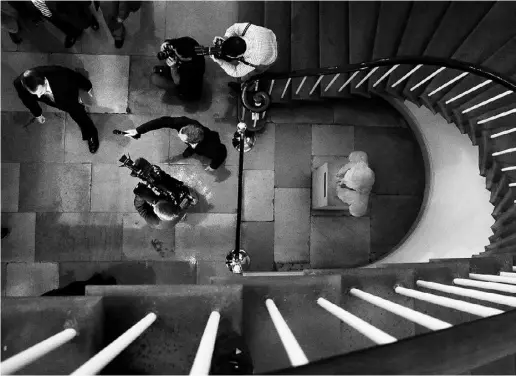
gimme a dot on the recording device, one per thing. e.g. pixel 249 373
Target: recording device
pixel 169 52
pixel 119 132
pixel 215 50
pixel 164 185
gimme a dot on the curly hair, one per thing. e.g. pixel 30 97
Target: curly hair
pixel 166 210
pixel 194 133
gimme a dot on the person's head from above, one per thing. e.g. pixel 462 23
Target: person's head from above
pixel 35 83
pixel 234 47
pixel 191 133
pixel 358 156
pixel 166 211
pixel 184 48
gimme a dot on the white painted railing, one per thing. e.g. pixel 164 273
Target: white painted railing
pixel 428 78
pixel 373 333
pixel 483 103
pixel 492 278
pixel 294 352
pixel 485 285
pixel 26 357
pixel 475 309
pixel 407 75
pixel 468 91
pixel 508 274
pixel 348 81
pixel 202 361
pixel 497 116
pixel 460 76
pixel 419 318
pixel 384 76
pixel 106 355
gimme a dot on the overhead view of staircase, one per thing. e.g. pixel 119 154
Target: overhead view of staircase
pixel 453 315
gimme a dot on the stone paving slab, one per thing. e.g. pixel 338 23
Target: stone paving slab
pixel 45 37
pixel 109 75
pixel 261 157
pixel 374 112
pixel 112 188
pixel 7 44
pixel 19 245
pixel 208 269
pixel 205 236
pixel 332 140
pixel 55 187
pixel 291 225
pixel 152 146
pixel 339 242
pixel 31 279
pixel 258 242
pixel 142 242
pixel 258 195
pixel 145 31
pixel 10 186
pixel 293 150
pixel 34 143
pixel 4 274
pixel 78 237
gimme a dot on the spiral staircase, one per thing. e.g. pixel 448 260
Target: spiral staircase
pixel 455 58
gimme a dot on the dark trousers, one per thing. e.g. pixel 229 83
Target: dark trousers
pixel 64 26
pixel 80 116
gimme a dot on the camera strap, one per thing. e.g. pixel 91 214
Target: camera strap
pixel 241 59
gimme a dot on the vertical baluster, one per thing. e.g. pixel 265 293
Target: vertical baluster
pixel 202 361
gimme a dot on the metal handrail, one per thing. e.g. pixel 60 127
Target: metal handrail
pixel 425 60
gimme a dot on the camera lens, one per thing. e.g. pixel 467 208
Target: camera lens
pixel 161 55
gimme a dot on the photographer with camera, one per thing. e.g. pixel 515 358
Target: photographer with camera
pixel 252 48
pixel 184 69
pixel 200 140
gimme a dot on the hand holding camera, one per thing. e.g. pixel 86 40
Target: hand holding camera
pixel 218 41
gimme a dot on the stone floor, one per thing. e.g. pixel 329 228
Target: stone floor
pixel 71 212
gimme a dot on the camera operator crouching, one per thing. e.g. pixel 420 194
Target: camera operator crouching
pixel 184 70
pixel 155 208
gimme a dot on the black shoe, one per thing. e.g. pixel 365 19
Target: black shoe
pixel 159 69
pixel 70 41
pixel 5 232
pixel 15 38
pixel 188 153
pixel 93 144
pixel 119 43
pixel 235 86
pixel 94 23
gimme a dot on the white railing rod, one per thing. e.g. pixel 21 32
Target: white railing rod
pixel 301 84
pixel 348 81
pixel 366 77
pixel 202 361
pixel 316 84
pixel 407 75
pixel 448 83
pixel 497 116
pixel 373 333
pixel 514 267
pixel 510 185
pixel 427 78
pixel 270 92
pixel 509 274
pixel 506 151
pixel 485 285
pixel 495 135
pixel 108 353
pixel 286 87
pixel 407 313
pixel 480 295
pixel 486 101
pixel 386 74
pixel 468 91
pixel 510 168
pixel 332 81
pixel 26 357
pixel 294 352
pixel 460 305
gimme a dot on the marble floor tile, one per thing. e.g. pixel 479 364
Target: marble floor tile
pixel 258 195
pixel 396 159
pixel 14 64
pixel 217 190
pixel 332 139
pixel 145 31
pixel 292 156
pixel 258 242
pixel 7 44
pixel 20 244
pixel 208 269
pixel 142 242
pixel 10 186
pixel 109 75
pixel 31 279
pixel 261 157
pixel 205 236
pixel 152 146
pixel 46 187
pixel 34 143
pixel 374 112
pixel 45 37
pixel 131 272
pixel 78 237
pixel 392 217
pixel 112 188
pixel 291 225
pixel 339 242
pixel 3 277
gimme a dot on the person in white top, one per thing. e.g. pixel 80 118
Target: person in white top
pixel 253 48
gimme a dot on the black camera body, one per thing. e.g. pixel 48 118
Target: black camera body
pixel 169 52
pixel 166 187
pixel 215 50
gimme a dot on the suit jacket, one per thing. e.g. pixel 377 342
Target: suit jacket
pixel 120 9
pixel 64 83
pixel 210 146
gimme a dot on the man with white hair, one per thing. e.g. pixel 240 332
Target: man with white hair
pixel 355 183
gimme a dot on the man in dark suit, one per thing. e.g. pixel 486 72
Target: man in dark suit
pixel 200 140
pixel 115 13
pixel 57 87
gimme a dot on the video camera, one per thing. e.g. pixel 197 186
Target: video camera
pixel 166 187
pixel 169 52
